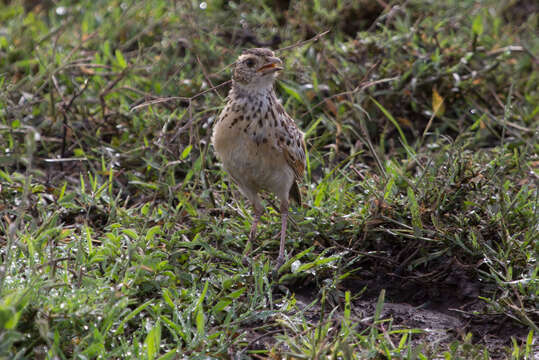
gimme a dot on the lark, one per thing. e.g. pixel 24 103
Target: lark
pixel 257 142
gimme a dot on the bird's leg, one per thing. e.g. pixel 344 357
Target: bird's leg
pixel 284 219
pixel 252 236
pixel 258 210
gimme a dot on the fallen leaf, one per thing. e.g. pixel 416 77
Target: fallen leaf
pixel 330 105
pixel 438 107
pixel 404 121
pixel 86 70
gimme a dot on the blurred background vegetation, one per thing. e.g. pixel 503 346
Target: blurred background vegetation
pixel 121 237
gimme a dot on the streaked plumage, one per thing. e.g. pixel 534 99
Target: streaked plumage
pixel 258 143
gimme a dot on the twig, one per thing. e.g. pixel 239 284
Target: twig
pixel 65 107
pixel 109 88
pixel 53 261
pixel 387 14
pixel 171 77
pixel 139 92
pixel 172 98
pixel 55 82
pixel 254 341
pixel 77 94
pixel 429 124
pixel 207 77
pixel 158 100
pixel 301 43
pixel 360 87
pixel 213 88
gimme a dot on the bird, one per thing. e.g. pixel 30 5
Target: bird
pixel 258 144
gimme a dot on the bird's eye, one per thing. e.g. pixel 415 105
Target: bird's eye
pixel 250 63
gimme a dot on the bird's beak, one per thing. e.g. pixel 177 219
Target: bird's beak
pixel 273 64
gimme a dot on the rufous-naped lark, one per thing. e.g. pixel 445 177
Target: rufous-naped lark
pixel 257 142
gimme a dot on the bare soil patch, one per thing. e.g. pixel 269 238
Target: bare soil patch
pixel 445 311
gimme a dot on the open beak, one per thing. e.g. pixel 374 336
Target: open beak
pixel 274 64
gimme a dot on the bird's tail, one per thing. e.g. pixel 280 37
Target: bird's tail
pixel 295 194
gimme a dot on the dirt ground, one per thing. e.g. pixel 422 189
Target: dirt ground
pixel 445 310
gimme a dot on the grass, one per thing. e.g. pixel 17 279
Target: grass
pixel 122 238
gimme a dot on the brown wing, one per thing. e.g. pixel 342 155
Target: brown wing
pixel 290 140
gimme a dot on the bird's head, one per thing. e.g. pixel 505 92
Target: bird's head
pixel 256 69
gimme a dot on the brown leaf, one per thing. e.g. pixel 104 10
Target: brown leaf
pixel 330 105
pixel 404 121
pixel 86 70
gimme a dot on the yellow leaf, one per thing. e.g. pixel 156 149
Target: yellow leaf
pixel 438 107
